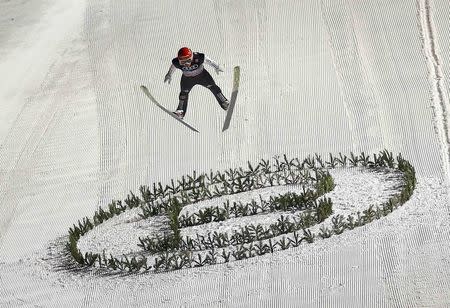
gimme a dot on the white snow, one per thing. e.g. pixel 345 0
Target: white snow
pixel 322 77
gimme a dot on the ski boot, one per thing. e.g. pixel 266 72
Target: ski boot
pixel 224 105
pixel 179 114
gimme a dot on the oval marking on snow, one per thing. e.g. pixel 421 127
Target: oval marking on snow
pixel 261 228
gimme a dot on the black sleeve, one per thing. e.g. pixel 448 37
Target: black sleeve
pixel 176 63
pixel 199 58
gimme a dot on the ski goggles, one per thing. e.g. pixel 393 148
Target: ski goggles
pixel 185 61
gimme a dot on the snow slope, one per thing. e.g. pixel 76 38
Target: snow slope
pixel 316 77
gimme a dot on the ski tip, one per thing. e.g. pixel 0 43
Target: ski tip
pixel 146 91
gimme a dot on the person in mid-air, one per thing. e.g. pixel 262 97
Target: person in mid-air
pixel 191 63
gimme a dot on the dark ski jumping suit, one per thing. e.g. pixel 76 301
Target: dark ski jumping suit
pixel 196 74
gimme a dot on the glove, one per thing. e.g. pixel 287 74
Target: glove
pixel 219 70
pixel 168 78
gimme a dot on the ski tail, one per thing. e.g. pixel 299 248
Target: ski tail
pixel 147 93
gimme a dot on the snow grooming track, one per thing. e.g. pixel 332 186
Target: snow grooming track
pixel 439 95
pixel 57 168
pixel 55 100
pixel 356 90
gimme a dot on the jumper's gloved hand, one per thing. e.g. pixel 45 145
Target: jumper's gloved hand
pixel 168 78
pixel 214 64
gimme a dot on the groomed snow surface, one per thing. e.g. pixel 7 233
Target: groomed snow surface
pixel 328 76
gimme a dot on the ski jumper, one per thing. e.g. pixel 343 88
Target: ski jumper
pixel 196 74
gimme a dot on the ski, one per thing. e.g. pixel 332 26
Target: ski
pixel 146 91
pixel 236 77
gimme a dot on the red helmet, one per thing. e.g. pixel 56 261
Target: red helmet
pixel 185 55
